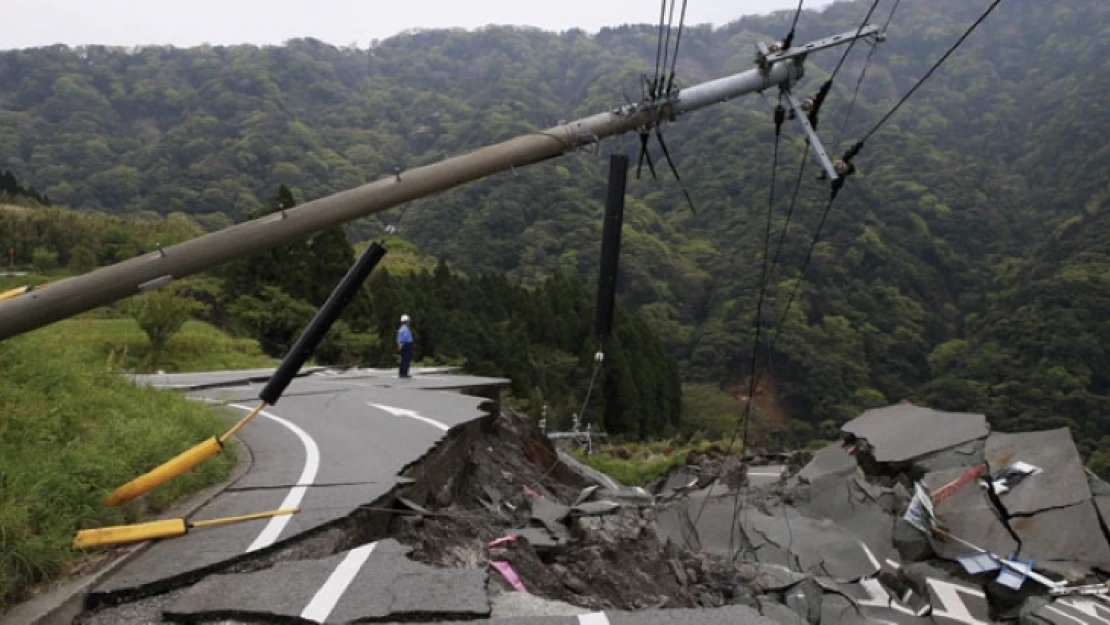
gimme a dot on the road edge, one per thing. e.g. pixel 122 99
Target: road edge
pixel 62 605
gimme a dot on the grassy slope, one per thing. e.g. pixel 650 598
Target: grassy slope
pixel 120 344
pixel 70 432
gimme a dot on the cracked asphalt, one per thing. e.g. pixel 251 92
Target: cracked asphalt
pixel 823 545
pixel 329 446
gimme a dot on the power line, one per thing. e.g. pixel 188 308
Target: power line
pixel 789 212
pixel 929 73
pixel 863 73
pixel 780 117
pixel 789 41
pixel 852 43
pixel 677 43
pixel 855 150
pixel 797 14
pixel 859 145
pixel 666 51
pixel 659 45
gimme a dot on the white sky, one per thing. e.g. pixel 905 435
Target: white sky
pixel 32 23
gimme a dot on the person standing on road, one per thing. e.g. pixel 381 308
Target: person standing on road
pixel 404 343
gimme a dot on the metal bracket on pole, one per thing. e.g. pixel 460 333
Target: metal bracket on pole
pixel 821 44
pixel 814 140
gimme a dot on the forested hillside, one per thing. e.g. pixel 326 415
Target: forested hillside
pixel 973 199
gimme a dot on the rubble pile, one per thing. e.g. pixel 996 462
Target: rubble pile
pixel 919 516
pixel 549 527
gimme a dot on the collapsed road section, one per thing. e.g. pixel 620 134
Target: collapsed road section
pixel 492 523
pixel 918 516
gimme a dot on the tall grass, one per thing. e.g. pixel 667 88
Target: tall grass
pixel 121 345
pixel 70 432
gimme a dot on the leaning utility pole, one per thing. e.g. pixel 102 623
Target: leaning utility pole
pixel 106 285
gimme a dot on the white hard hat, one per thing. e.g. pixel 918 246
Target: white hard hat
pixel 404 318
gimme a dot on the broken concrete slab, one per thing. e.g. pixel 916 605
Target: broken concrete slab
pixel 903 432
pixel 910 543
pixel 590 474
pixel 853 505
pixel 1067 611
pixel 595 508
pixel 779 613
pixel 769 577
pixel 523 604
pixel 818 546
pixel 387 584
pixel 1068 541
pixel 540 539
pixel 867 601
pixel 968 514
pixel 735 615
pixel 805 600
pixel 831 461
pixel 550 515
pixel 679 481
pixel 1062 481
pixel 634 496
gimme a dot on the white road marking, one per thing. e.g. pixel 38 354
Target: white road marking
pixel 273 529
pixel 871 556
pixel 1065 614
pixel 593 618
pixel 412 414
pixel 323 602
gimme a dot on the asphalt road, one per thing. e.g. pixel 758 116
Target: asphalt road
pixel 331 444
pixel 335 442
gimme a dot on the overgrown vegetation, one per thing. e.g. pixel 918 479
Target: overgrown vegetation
pixel 120 345
pixel 70 432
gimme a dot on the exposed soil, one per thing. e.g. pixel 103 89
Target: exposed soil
pixel 610 562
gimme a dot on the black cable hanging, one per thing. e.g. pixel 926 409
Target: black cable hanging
pixel 863 73
pixel 929 73
pixel 780 118
pixel 852 152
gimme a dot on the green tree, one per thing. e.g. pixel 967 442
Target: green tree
pixel 161 314
pixel 82 259
pixel 44 259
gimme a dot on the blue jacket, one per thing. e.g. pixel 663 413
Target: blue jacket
pixel 404 335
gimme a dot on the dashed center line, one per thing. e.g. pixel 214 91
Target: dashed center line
pixel 593 618
pixel 412 414
pixel 323 602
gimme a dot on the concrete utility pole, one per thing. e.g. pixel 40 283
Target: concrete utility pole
pixel 106 285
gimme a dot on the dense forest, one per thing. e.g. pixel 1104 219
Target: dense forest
pixel 960 266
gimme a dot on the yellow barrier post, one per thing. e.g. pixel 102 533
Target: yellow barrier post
pixel 177 465
pixel 153 530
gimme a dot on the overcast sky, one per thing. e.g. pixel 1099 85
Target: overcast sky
pixel 30 23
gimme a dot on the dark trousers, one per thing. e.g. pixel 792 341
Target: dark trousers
pixel 406 359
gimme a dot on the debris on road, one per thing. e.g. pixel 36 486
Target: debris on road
pixel 916 517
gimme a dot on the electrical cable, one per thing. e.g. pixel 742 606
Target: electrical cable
pixel 677 43
pixel 789 212
pixel 666 52
pixel 797 14
pixel 789 40
pixel 658 47
pixel 852 43
pixel 780 117
pixel 863 74
pixel 929 73
pixel 856 148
